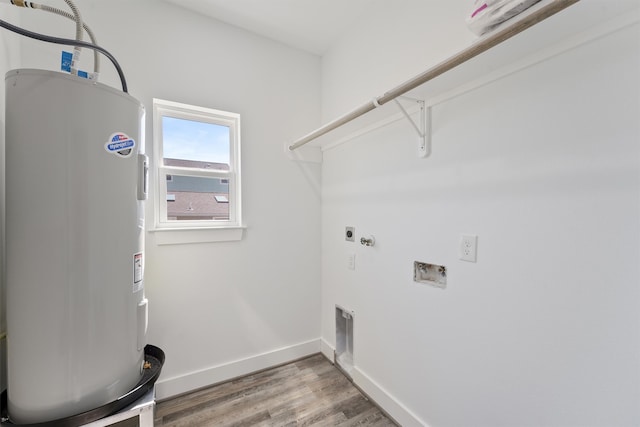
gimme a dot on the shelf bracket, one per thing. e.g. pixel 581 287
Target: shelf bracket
pixel 423 128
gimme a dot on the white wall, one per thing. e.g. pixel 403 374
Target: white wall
pixel 219 310
pixel 393 42
pixel 544 166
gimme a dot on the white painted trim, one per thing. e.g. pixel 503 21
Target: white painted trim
pixel 179 236
pixel 169 387
pixel 327 350
pixel 396 410
pixel 163 108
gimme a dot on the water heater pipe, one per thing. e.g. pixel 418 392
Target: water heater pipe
pixel 92 37
pixel 75 59
pixel 76 13
pixel 69 42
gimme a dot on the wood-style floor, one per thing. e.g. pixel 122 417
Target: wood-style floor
pixel 309 392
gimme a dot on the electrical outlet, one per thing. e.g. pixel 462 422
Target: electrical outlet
pixel 469 248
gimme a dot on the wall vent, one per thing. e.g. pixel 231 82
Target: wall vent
pixel 344 340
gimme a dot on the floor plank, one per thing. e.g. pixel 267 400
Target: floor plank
pixel 308 392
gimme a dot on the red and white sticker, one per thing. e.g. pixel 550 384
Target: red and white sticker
pixel 138 272
pixel 120 144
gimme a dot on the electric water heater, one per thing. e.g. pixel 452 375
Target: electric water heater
pixel 75 186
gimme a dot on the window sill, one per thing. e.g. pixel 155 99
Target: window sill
pixel 182 236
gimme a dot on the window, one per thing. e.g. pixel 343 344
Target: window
pixel 197 152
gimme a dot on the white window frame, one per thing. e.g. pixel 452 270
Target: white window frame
pixel 201 230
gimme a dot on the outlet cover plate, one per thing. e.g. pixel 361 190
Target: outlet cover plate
pixel 350 234
pixel 469 247
pixel 351 261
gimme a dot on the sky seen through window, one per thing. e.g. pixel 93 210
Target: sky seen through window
pixel 194 140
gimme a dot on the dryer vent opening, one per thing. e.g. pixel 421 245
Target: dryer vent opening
pixel 344 339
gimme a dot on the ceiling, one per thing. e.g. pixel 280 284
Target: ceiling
pixel 310 25
pixel 316 25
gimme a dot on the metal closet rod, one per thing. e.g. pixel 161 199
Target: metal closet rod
pixel 484 44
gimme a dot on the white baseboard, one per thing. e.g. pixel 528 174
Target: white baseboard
pixel 169 387
pixel 396 410
pixel 327 349
pixel 389 404
pixel 192 381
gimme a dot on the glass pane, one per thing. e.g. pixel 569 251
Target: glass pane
pixel 194 144
pixel 191 198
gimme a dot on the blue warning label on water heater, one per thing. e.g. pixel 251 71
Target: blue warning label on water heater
pixel 65 64
pixel 65 61
pixel 120 144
